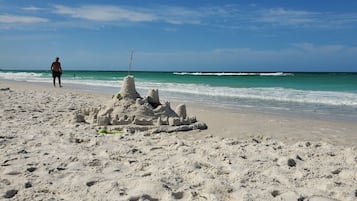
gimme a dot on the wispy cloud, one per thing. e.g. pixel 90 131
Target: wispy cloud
pixel 179 15
pixel 176 15
pixel 32 8
pixel 111 13
pixel 304 19
pixel 21 19
pixel 231 16
pixel 309 47
pixel 286 17
pixel 105 13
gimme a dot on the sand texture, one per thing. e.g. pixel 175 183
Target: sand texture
pixel 44 156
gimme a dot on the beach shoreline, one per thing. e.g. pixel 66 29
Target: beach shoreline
pixel 241 156
pixel 323 96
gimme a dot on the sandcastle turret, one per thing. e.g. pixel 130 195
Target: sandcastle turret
pixel 181 110
pixel 128 89
pixel 153 97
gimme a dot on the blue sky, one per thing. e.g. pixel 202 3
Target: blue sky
pixel 176 35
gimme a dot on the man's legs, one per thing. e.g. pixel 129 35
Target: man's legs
pixel 59 81
pixel 54 81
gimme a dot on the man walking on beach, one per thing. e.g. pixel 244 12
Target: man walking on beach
pixel 56 71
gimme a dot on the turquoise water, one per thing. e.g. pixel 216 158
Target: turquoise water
pixel 320 95
pixel 304 81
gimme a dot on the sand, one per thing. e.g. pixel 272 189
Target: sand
pixel 241 156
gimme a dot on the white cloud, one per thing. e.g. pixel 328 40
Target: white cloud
pixel 179 15
pixel 110 13
pixel 309 47
pixel 21 19
pixel 105 13
pixel 32 8
pixel 286 17
pixel 232 16
pixel 304 19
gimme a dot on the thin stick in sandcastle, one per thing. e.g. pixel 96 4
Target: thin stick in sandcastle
pixel 129 111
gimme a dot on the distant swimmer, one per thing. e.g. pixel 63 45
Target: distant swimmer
pixel 56 71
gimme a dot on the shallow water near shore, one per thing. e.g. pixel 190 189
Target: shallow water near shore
pixel 320 95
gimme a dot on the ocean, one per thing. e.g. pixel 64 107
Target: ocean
pixel 317 95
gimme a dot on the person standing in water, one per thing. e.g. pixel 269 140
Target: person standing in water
pixel 56 71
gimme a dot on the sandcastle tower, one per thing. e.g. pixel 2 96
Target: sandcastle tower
pixel 128 89
pixel 153 97
pixel 181 110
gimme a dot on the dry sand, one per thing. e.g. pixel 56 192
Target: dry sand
pixel 242 156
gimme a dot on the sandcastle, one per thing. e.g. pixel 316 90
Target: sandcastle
pixel 128 110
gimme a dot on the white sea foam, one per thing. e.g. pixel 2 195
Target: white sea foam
pixel 233 74
pixel 46 78
pixel 100 83
pixel 272 94
pixel 206 91
pixel 20 76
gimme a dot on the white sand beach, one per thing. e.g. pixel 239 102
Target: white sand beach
pixel 241 156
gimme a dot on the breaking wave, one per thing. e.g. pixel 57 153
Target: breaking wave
pixel 233 74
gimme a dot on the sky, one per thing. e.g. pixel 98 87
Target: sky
pixel 180 35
